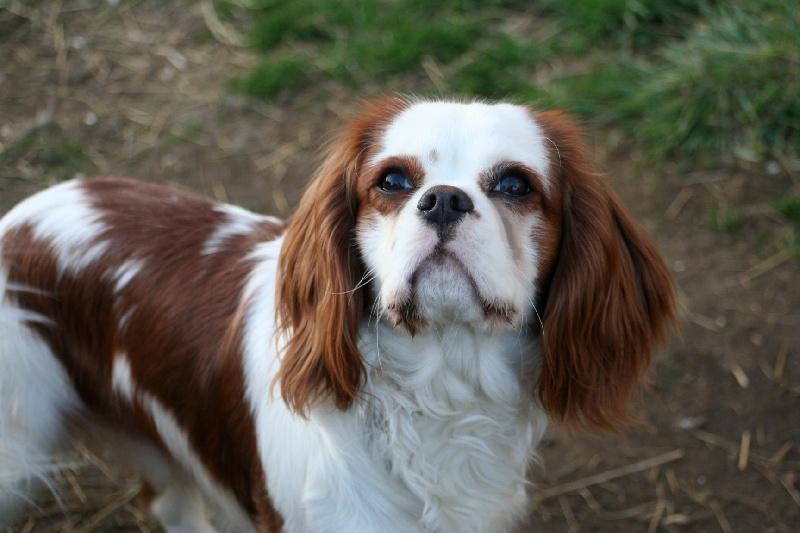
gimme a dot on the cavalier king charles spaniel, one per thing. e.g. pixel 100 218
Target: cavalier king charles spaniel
pixel 456 275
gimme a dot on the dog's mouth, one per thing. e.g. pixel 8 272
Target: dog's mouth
pixel 444 260
pixel 442 289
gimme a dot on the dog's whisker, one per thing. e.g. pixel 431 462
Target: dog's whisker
pixel 368 276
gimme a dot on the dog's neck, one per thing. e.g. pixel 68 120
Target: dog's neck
pixel 450 414
pixel 452 367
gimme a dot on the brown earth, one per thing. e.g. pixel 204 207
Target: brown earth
pixel 140 89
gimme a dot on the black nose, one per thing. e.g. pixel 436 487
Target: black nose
pixel 444 205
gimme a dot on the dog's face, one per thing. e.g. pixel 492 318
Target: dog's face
pixel 492 217
pixel 453 223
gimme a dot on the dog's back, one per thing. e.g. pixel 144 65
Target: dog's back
pixel 79 301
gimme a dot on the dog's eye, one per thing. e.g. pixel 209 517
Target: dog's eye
pixel 394 181
pixel 512 185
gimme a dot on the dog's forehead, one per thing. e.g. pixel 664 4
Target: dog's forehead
pixel 466 136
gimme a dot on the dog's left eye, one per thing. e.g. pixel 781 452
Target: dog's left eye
pixel 394 181
pixel 512 185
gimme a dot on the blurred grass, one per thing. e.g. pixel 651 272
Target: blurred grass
pixel 706 83
pixel 360 43
pixel 50 146
pixel 629 24
pixel 730 88
pixel 789 206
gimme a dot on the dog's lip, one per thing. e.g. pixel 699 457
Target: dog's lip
pixel 494 310
pixel 405 312
pixel 446 260
pixel 439 258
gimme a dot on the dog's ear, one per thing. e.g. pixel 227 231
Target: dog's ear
pixel 319 302
pixel 610 299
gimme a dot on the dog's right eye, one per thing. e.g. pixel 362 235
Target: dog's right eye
pixel 394 181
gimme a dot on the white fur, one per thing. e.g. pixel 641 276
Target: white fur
pixel 468 138
pixel 494 246
pixel 238 221
pixel 34 388
pixel 127 273
pixel 455 423
pixel 34 394
pixel 62 216
pixel 441 438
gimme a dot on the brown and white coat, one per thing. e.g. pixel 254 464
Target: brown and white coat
pixel 387 360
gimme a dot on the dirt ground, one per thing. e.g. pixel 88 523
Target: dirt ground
pixel 140 89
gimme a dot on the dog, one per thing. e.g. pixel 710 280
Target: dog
pixel 456 275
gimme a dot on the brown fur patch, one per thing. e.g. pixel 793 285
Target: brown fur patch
pixel 609 299
pixel 320 268
pixel 183 322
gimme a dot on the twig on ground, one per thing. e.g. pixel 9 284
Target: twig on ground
pixel 741 376
pixel 677 204
pixel 568 514
pixel 96 461
pixel 221 31
pixel 786 481
pixel 139 518
pixel 719 513
pixel 280 201
pixel 744 451
pixel 657 516
pixel 683 519
pixel 776 459
pixel 219 192
pixel 765 266
pixel 703 321
pixel 672 481
pixel 704 178
pixel 780 363
pixel 720 442
pixel 76 488
pixel 627 470
pixel 611 516
pixel 109 509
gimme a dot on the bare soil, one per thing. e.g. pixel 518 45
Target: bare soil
pixel 140 89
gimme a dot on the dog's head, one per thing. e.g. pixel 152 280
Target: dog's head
pixel 486 215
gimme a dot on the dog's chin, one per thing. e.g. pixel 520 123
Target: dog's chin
pixel 440 293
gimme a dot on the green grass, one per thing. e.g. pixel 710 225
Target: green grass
pixel 731 88
pixel 725 221
pixel 636 24
pixel 700 82
pixel 376 41
pixel 500 70
pixel 273 76
pixel 728 90
pixel 789 206
pixel 186 132
pixel 50 147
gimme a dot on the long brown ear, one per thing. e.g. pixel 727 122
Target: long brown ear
pixel 610 299
pixel 319 302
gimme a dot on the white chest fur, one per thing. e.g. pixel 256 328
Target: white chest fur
pixel 453 422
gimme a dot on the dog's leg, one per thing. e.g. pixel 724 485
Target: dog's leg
pixel 35 394
pixel 178 507
pixel 167 493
